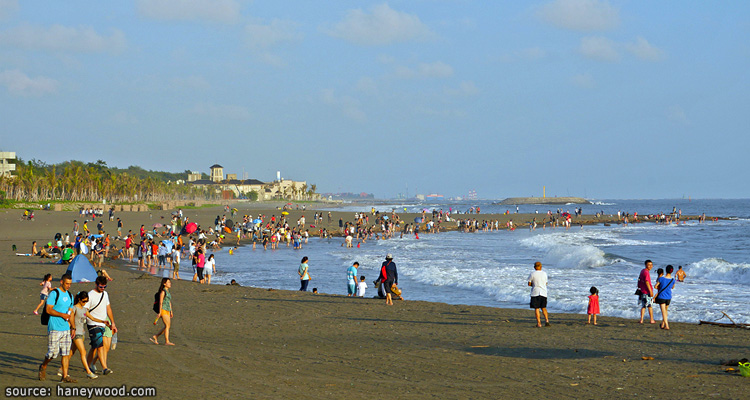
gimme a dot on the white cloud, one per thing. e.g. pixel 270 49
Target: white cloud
pixel 444 113
pixel 677 114
pixel 190 82
pixel 124 118
pixel 21 84
pixel 62 38
pixel 367 85
pixel 348 105
pixel 260 36
pixel 599 48
pixel 221 11
pixel 381 26
pixel 644 50
pixel 584 80
pixel 437 69
pixel 580 15
pixel 466 88
pixel 7 8
pixel 221 111
pixel 533 53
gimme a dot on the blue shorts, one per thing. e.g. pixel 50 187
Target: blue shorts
pixel 351 288
pixel 96 336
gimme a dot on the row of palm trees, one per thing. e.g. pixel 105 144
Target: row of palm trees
pixel 76 181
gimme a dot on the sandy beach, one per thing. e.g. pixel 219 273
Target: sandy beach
pixel 242 342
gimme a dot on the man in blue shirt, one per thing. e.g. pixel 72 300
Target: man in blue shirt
pixel 59 306
pixel 351 279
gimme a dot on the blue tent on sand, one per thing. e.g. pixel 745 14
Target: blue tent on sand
pixel 81 269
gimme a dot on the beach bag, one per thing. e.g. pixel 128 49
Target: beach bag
pixel 156 302
pixel 744 369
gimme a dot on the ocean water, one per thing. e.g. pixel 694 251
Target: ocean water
pixel 491 268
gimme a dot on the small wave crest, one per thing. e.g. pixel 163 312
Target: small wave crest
pixel 718 269
pixel 567 252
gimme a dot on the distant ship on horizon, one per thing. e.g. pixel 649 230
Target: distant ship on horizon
pixel 434 196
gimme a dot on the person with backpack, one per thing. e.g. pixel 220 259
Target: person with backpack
pixel 163 306
pixel 56 315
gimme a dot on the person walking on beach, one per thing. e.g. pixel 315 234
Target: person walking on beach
pixel 99 307
pixel 209 268
pixel 46 285
pixel 58 328
pixel 79 316
pixel 538 282
pixel 388 277
pixel 646 291
pixel 593 308
pixel 165 311
pixel 664 285
pixel 351 279
pixel 304 275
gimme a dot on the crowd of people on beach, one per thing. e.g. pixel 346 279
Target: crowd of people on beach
pixel 163 249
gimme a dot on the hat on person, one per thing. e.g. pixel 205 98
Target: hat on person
pixel 389 256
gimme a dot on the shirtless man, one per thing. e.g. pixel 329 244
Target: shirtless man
pixel 680 274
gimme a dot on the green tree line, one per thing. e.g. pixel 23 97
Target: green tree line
pixel 78 181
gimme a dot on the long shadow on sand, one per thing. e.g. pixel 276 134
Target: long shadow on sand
pixel 19 365
pixel 538 353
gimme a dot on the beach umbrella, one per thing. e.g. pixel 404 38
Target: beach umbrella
pixel 175 213
pixel 168 244
pixel 229 224
pixel 158 225
pixel 284 213
pixel 385 217
pixel 227 229
pixel 418 220
pixel 96 236
pixel 191 227
pixel 257 221
pixel 150 236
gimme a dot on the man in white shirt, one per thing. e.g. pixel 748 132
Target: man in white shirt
pixel 538 282
pixel 99 307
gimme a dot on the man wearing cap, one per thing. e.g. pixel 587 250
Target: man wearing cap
pixel 538 282
pixel 388 277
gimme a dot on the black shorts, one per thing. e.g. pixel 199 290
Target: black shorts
pixel 200 273
pixel 387 285
pixel 662 301
pixel 538 302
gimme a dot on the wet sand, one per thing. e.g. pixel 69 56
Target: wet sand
pixel 240 342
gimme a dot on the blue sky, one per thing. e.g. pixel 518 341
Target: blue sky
pixel 618 99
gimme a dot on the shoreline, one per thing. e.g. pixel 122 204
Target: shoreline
pixel 253 342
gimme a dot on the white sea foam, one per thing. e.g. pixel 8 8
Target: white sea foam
pixel 717 269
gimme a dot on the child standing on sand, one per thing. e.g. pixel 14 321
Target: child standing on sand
pixel 46 285
pixel 361 286
pixel 593 304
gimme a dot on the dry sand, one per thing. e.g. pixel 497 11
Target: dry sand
pixel 239 342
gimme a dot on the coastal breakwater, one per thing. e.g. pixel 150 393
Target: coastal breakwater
pixel 543 200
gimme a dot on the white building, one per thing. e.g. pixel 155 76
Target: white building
pixel 6 167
